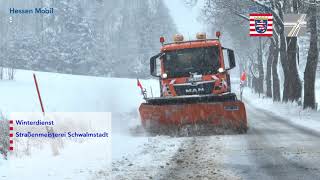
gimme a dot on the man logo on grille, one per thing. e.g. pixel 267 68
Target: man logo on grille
pixel 194 90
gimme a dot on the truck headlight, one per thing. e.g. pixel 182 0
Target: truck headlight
pixel 164 75
pixel 220 70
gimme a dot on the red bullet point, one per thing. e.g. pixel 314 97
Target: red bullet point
pixel 11 128
pixel 11 141
pixel 11 121
pixel 11 135
pixel 11 148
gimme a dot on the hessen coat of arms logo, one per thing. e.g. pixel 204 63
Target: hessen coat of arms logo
pixel 261 24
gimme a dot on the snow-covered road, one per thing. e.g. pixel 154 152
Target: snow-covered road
pixel 273 148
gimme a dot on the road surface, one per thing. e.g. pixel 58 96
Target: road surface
pixel 273 148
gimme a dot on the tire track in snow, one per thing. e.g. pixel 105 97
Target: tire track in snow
pixel 197 158
pixel 269 155
pixel 145 164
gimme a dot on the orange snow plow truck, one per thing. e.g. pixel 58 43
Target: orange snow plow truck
pixel 195 91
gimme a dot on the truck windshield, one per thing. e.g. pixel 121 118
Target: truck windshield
pixel 183 62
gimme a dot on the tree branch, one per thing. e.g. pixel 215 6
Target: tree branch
pixel 274 13
pixel 240 15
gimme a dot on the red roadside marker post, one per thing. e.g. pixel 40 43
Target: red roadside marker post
pixel 243 78
pixel 38 91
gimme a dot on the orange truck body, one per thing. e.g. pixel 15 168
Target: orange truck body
pixel 217 107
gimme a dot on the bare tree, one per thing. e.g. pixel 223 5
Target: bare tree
pixel 1 72
pixel 295 6
pixel 275 76
pixel 4 138
pixel 312 60
pixel 260 67
pixel 10 73
pixel 268 72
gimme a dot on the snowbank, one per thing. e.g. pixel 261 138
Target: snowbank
pixel 44 166
pixel 73 93
pixel 289 111
pixel 68 93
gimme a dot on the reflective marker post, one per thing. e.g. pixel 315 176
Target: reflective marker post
pixel 38 91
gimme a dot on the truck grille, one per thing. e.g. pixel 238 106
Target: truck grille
pixel 196 89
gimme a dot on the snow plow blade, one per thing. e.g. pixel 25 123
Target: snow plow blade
pixel 227 115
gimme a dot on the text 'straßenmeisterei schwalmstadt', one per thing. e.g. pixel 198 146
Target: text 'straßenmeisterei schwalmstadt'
pixel 51 134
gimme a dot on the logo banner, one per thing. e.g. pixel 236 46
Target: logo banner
pixel 261 24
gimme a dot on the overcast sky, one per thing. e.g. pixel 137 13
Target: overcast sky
pixel 185 17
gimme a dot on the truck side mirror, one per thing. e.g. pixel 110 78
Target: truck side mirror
pixel 153 65
pixel 232 61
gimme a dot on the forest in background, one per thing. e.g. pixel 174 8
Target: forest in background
pixel 90 37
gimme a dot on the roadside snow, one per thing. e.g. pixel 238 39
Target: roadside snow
pixel 289 111
pixel 153 156
pixel 68 93
pixel 73 93
pixel 74 162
